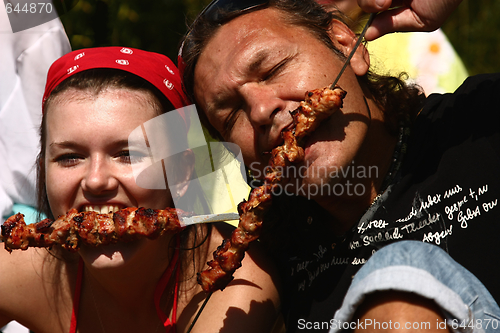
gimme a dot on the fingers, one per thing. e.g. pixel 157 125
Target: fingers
pixel 396 20
pixel 374 6
pixel 407 15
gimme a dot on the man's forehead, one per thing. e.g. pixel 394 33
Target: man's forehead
pixel 243 43
pixel 254 36
pixel 255 22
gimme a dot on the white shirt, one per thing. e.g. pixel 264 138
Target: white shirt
pixel 25 58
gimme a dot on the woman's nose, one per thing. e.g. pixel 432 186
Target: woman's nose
pixel 99 176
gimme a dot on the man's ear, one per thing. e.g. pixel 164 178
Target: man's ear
pixel 345 39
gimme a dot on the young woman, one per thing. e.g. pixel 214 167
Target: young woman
pixel 94 99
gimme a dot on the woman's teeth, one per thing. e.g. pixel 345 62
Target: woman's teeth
pixel 101 209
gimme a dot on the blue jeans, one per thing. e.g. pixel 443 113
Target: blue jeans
pixel 428 271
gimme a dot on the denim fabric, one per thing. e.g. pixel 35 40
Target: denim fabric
pixel 426 270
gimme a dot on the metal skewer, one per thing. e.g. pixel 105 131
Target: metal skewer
pixel 199 312
pixel 348 60
pixel 209 218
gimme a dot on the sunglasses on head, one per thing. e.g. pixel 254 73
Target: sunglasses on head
pixel 213 11
pixel 216 11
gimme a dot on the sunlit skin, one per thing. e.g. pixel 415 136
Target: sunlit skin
pixel 254 71
pixel 407 310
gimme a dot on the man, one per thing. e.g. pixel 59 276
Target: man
pixel 365 181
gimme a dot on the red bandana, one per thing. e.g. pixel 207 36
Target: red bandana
pixel 155 68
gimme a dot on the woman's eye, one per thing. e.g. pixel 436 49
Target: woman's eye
pixel 131 156
pixel 124 156
pixel 68 160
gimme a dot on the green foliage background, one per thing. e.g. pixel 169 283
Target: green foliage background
pixel 474 30
pixel 158 25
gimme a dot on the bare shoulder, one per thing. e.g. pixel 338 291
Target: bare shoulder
pixel 250 303
pixel 255 265
pixel 18 271
pixel 27 281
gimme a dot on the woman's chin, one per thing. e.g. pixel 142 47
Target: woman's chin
pixel 112 255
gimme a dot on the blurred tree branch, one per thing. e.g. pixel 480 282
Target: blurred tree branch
pixel 158 25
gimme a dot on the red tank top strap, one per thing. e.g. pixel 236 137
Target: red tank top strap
pixel 76 297
pixel 160 288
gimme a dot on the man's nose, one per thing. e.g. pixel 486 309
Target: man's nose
pixel 263 104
